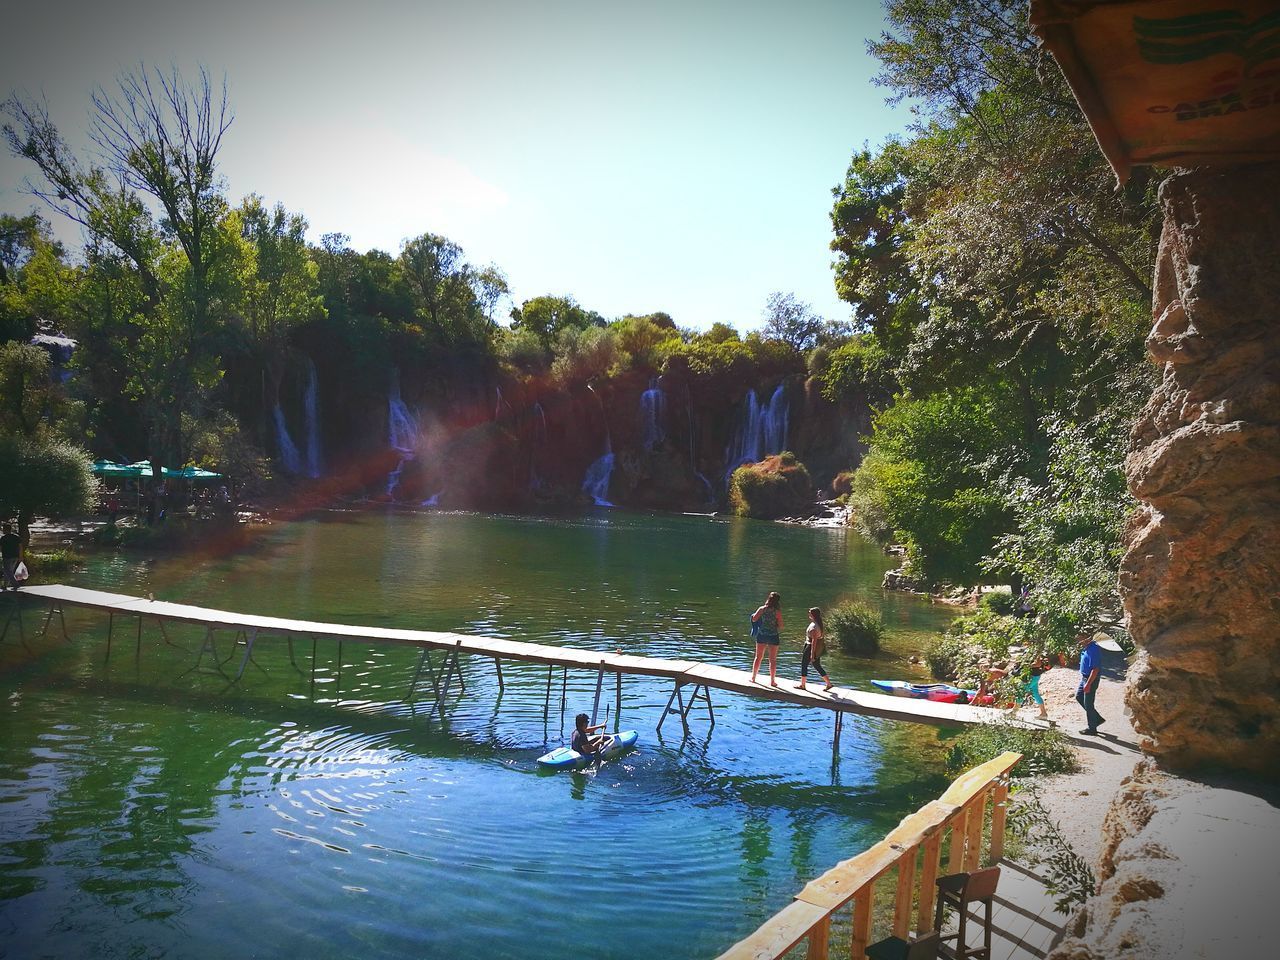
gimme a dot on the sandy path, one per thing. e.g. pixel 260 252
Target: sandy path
pixel 1079 801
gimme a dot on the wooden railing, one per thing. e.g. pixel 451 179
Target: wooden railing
pixel 915 847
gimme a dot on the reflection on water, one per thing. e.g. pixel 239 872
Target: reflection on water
pixel 147 811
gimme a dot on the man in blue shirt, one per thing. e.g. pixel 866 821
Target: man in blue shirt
pixel 1090 671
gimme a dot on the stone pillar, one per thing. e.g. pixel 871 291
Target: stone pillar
pixel 1201 573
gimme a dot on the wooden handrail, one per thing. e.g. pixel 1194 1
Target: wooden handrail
pixel 961 810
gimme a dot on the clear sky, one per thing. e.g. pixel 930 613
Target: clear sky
pixel 637 156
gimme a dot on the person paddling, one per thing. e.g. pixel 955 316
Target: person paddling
pixel 582 740
pixel 767 627
pixel 814 644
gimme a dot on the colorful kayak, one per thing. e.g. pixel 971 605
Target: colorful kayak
pixel 937 692
pixel 564 758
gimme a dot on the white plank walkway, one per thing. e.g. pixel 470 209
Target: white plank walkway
pixel 683 672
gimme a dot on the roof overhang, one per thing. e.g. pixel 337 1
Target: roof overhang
pixel 1171 82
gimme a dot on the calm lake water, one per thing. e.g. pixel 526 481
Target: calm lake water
pixel 146 811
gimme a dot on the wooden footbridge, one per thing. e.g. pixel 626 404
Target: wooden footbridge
pixel 688 676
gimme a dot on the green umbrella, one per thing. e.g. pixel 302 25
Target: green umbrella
pixel 116 471
pixel 186 473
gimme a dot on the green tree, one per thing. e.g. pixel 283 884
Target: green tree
pixel 791 320
pixel 928 479
pixel 546 316
pixel 41 476
pixel 280 289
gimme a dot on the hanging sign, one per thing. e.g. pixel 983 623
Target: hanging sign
pixel 1171 82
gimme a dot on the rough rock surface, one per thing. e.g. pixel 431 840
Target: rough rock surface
pixel 1201 573
pixel 1187 871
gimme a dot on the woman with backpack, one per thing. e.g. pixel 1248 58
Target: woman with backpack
pixel 766 627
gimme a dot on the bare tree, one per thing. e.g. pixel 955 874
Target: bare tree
pixel 151 182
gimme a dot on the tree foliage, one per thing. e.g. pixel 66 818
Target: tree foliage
pixel 986 254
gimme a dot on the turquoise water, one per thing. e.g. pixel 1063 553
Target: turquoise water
pixel 148 811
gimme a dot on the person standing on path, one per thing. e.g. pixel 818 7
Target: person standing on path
pixel 766 625
pixel 10 555
pixel 1090 671
pixel 814 643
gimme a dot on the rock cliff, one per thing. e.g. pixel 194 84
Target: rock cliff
pixel 1201 573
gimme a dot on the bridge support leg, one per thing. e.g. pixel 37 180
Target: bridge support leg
pixel 413 685
pixel 209 647
pixel 502 684
pixel 564 693
pixel 313 668
pixel 595 706
pixel 452 665
pixel 546 702
pixel 711 711
pixel 617 704
pixel 165 633
pixel 835 740
pixel 248 653
pixel 15 612
pixel 111 623
pixel 54 608
pixel 292 661
pixel 667 709
pixel 137 648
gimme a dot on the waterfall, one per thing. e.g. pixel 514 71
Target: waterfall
pixel 653 406
pixel 539 441
pixel 706 485
pixel 402 432
pixel 774 422
pixel 763 431
pixel 310 403
pixel 595 483
pixel 290 458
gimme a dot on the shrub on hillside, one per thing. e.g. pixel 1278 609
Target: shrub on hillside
pixel 856 627
pixel 842 484
pixel 778 486
pixel 971 640
pixel 1044 752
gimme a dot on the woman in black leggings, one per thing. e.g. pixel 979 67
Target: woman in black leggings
pixel 814 643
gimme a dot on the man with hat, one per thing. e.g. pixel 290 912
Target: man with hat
pixel 1090 671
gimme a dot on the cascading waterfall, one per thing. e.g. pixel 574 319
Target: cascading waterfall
pixel 763 431
pixel 402 432
pixel 290 458
pixel 539 442
pixel 653 408
pixel 311 409
pixel 595 483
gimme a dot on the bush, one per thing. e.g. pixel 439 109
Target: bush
pixel 45 562
pixel 968 641
pixel 778 486
pixel 857 627
pixel 997 602
pixel 842 484
pixel 1044 752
